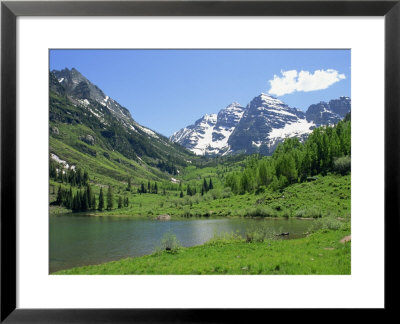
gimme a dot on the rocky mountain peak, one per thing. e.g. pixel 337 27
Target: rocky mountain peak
pixel 82 91
pixel 269 100
pixel 210 134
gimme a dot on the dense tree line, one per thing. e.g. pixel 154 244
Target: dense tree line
pixel 85 199
pixel 192 190
pixel 82 200
pixel 151 188
pixel 167 166
pixel 74 177
pixel 327 149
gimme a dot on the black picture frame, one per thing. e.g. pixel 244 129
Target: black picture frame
pixel 10 10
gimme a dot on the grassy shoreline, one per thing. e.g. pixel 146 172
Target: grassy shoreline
pixel 318 253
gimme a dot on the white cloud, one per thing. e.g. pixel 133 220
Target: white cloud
pixel 292 81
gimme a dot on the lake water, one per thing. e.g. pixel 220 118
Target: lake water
pixel 83 240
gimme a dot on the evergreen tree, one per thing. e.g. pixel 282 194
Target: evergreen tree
pixel 205 186
pixel 79 177
pixel 75 203
pixel 101 200
pixel 188 191
pixel 119 202
pixel 85 201
pixel 59 196
pixel 110 203
pixel 210 186
pixel 155 188
pixel 60 174
pixel 181 194
pixel 80 200
pixel 262 174
pixel 93 201
pixel 72 177
pixel 53 170
pixel 85 178
pixel 89 195
pixel 69 199
pixel 245 182
pixel 126 202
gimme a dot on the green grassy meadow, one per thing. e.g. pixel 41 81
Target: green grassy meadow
pixel 329 195
pixel 319 253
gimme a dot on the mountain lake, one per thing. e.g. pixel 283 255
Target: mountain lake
pixel 78 240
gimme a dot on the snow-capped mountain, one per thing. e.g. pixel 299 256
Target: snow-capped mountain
pixel 266 122
pixel 210 134
pixel 260 127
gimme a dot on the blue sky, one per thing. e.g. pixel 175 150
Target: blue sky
pixel 167 90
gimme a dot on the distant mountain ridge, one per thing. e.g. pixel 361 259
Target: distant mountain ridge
pixel 259 127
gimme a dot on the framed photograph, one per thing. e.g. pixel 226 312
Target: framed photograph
pixel 163 158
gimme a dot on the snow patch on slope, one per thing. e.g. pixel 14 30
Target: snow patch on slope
pixel 301 127
pixel 64 163
pixel 147 131
pixel 204 140
pixel 271 101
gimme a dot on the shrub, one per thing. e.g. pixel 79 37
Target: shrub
pixel 170 243
pixel 215 194
pixel 186 212
pixel 310 212
pixel 258 211
pixel 342 165
pixel 259 232
pixel 260 190
pixel 225 237
pixel 226 193
pixel 325 223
